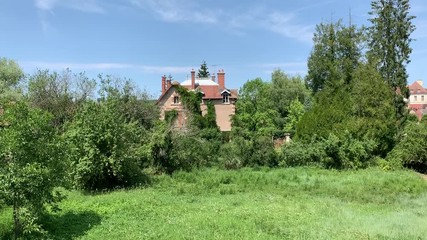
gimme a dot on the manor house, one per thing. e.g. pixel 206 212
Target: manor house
pixel 213 89
pixel 417 99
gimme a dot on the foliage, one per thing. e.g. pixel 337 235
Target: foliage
pixel 411 151
pixel 248 152
pixel 390 47
pixel 107 151
pixel 296 111
pixel 336 53
pixel 10 77
pixel 255 111
pixel 369 121
pixel 297 153
pixel 337 152
pixel 135 105
pixel 31 165
pixel 52 92
pixel 10 73
pixel 284 89
pixel 203 71
pixel 331 109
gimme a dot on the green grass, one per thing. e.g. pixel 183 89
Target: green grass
pixel 295 203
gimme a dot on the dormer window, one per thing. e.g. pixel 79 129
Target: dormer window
pixel 176 100
pixel 225 98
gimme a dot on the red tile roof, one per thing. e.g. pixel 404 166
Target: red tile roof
pixel 416 87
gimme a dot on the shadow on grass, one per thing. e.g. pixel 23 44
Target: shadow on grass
pixel 70 225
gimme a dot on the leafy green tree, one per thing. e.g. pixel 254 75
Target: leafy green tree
pixel 369 121
pixel 10 73
pixel 30 165
pixel 285 89
pixel 10 76
pixel 296 111
pixel 330 111
pixel 107 151
pixel 255 112
pixel 411 151
pixel 52 92
pixel 136 105
pixel 390 38
pixel 336 53
pixel 203 71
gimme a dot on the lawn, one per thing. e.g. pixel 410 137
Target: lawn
pixel 294 203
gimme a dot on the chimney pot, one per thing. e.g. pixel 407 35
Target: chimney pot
pixel 221 79
pixel 164 87
pixel 193 79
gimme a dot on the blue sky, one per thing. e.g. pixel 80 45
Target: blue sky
pixel 144 39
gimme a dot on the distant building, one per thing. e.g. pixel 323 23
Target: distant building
pixel 417 99
pixel 224 99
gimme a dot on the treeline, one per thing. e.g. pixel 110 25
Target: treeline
pixel 68 130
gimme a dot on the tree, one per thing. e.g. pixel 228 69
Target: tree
pixel 369 121
pixel 106 150
pixel 285 89
pixel 390 47
pixel 296 111
pixel 203 71
pixel 255 112
pixel 336 53
pixel 30 165
pixel 52 92
pixel 136 105
pixel 10 75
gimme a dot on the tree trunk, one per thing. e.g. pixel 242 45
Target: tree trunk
pixel 17 228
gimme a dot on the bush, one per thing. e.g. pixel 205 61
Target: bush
pixel 106 151
pixel 332 152
pixel 411 151
pixel 253 152
pixel 297 153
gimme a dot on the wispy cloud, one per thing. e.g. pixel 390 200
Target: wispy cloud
pixel 177 11
pixel 92 6
pixel 46 9
pixel 105 66
pixel 45 4
pixel 285 24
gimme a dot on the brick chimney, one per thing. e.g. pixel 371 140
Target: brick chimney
pixel 221 78
pixel 193 79
pixel 164 87
pixel 168 82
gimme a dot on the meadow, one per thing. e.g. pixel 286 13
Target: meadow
pixel 293 203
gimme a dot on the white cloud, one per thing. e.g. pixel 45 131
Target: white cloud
pixel 45 4
pixel 177 11
pixel 104 66
pixel 285 24
pixel 93 6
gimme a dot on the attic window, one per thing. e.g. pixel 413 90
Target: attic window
pixel 176 100
pixel 225 98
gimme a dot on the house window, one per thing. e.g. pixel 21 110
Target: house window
pixel 225 98
pixel 422 98
pixel 175 99
pixel 415 98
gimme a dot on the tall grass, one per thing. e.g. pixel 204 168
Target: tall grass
pixel 295 203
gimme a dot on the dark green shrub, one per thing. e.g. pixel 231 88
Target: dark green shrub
pixel 106 151
pixel 298 153
pixel 411 151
